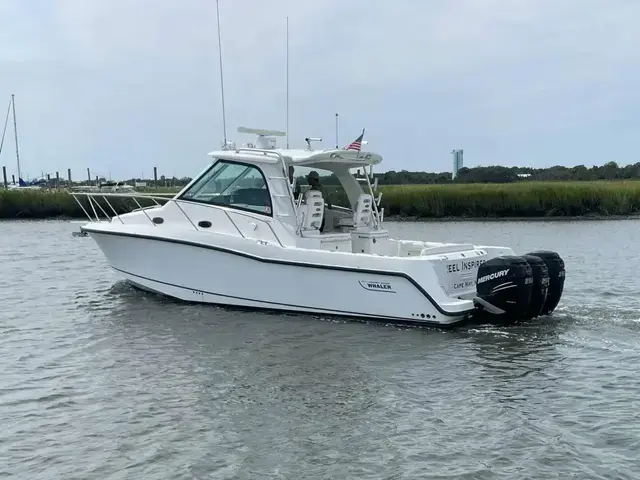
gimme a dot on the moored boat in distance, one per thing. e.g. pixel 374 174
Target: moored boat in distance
pixel 112 187
pixel 237 235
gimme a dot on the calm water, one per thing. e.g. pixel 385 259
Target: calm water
pixel 100 381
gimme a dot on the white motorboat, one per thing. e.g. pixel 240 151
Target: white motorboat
pixel 236 236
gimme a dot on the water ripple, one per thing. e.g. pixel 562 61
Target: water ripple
pixel 102 381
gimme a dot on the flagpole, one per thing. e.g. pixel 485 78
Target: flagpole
pixel 337 131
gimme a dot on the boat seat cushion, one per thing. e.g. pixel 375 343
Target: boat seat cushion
pixel 312 211
pixel 362 212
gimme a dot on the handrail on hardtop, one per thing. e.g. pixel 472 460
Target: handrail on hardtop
pixel 260 150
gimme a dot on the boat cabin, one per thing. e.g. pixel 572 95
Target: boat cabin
pixel 311 198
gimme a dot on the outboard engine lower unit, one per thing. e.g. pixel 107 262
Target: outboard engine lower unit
pixel 555 266
pixel 540 285
pixel 504 287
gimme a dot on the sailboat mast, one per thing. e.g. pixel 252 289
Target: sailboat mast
pixel 6 123
pixel 15 133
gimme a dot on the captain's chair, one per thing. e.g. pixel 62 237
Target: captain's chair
pixel 312 211
pixel 362 212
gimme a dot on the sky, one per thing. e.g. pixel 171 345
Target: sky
pixel 121 86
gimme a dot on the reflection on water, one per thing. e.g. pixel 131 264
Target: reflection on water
pixel 104 381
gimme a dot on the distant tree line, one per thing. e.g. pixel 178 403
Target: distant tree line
pixel 501 174
pixel 488 174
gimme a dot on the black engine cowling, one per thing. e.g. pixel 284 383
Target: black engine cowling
pixel 504 285
pixel 555 266
pixel 540 287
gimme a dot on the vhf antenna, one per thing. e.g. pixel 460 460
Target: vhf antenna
pixel 224 121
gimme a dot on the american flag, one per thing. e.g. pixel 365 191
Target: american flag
pixel 356 144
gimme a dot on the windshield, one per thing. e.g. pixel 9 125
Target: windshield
pixel 232 184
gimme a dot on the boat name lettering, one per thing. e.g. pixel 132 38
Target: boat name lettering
pixel 377 286
pixel 465 284
pixel 494 275
pixel 464 265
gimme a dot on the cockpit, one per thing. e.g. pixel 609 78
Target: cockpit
pixel 324 204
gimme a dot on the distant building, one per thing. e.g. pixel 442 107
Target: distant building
pixel 457 162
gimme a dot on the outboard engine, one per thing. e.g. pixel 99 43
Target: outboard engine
pixel 503 286
pixel 555 266
pixel 540 285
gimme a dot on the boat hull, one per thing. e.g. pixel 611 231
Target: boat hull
pixel 208 274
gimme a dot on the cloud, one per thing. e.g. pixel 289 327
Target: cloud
pixel 122 85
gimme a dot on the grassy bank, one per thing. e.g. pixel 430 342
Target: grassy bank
pixel 43 204
pixel 513 200
pixel 516 200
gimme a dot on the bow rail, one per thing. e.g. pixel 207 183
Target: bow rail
pixel 92 200
pixel 155 199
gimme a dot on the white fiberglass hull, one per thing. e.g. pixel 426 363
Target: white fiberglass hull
pixel 218 275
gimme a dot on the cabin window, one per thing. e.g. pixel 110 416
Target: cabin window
pixel 232 184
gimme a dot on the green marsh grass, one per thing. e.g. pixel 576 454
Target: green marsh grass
pixel 44 204
pixel 526 199
pixel 511 200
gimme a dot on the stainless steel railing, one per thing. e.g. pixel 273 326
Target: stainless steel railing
pixel 91 199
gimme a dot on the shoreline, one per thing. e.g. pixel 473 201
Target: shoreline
pixel 395 219
pixel 559 218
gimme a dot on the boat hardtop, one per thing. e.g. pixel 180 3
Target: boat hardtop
pixel 329 159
